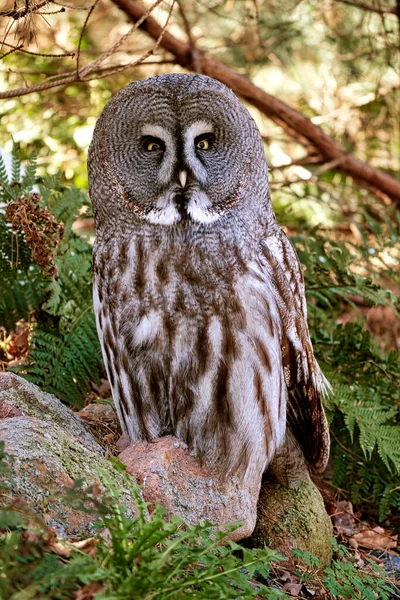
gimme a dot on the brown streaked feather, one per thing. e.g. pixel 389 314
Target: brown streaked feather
pixel 304 380
pixel 263 355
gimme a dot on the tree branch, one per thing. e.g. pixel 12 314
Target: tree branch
pixel 91 71
pixel 381 10
pixel 292 121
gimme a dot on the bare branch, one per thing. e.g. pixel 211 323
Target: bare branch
pixel 21 49
pixel 73 7
pixel 93 70
pixel 20 13
pixel 188 31
pixel 382 10
pixel 91 9
pixel 113 48
pixel 13 49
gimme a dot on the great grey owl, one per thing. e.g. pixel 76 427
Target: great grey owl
pixel 198 293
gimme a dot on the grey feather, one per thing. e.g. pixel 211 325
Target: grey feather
pixel 198 294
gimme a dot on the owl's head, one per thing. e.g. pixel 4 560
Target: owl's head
pixel 176 149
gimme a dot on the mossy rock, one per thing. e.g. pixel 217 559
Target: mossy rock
pixel 19 397
pixel 293 518
pixel 46 462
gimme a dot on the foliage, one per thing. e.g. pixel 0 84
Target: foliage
pixel 153 557
pixel 343 579
pixel 65 353
pixel 148 557
pixel 333 61
pixel 363 413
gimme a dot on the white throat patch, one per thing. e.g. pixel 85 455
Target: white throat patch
pixel 199 208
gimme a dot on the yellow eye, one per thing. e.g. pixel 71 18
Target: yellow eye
pixel 203 144
pixel 153 146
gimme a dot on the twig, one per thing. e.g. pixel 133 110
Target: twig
pixel 149 53
pixel 83 74
pixel 21 72
pixel 78 56
pixel 188 31
pixel 257 12
pixel 112 49
pixel 308 160
pixel 20 13
pixel 70 5
pixel 388 374
pixel 13 49
pixel 21 49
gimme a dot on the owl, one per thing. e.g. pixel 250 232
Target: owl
pixel 198 293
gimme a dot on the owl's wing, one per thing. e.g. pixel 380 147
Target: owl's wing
pixel 304 379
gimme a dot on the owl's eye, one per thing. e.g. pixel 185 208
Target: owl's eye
pixel 204 141
pixel 151 144
pixel 202 145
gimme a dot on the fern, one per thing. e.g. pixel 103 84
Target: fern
pixel 16 164
pixel 362 412
pixel 64 352
pixel 22 281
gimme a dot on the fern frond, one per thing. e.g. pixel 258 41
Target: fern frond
pixel 28 179
pixel 15 164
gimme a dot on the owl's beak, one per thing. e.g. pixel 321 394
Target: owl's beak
pixel 182 178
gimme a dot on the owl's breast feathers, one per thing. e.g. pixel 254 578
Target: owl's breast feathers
pixel 209 347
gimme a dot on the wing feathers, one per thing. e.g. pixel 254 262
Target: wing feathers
pixel 304 379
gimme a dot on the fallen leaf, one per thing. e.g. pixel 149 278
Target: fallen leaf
pixel 64 549
pixel 88 546
pixel 97 414
pixel 61 549
pixel 123 442
pixel 343 519
pixel 104 389
pixel 376 538
pixel 293 589
pixel 18 342
pixel 88 591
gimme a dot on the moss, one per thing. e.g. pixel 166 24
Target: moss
pixel 31 401
pixel 290 518
pixel 46 461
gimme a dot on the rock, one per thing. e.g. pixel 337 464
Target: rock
pixel 391 562
pixel 289 518
pixel 173 478
pixel 48 459
pixel 20 397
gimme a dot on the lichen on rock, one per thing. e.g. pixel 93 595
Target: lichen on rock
pixel 289 518
pixel 18 396
pixel 52 448
pixel 46 461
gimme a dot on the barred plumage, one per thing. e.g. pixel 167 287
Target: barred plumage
pixel 198 294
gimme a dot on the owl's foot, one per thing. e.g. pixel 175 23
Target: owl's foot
pixel 289 466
